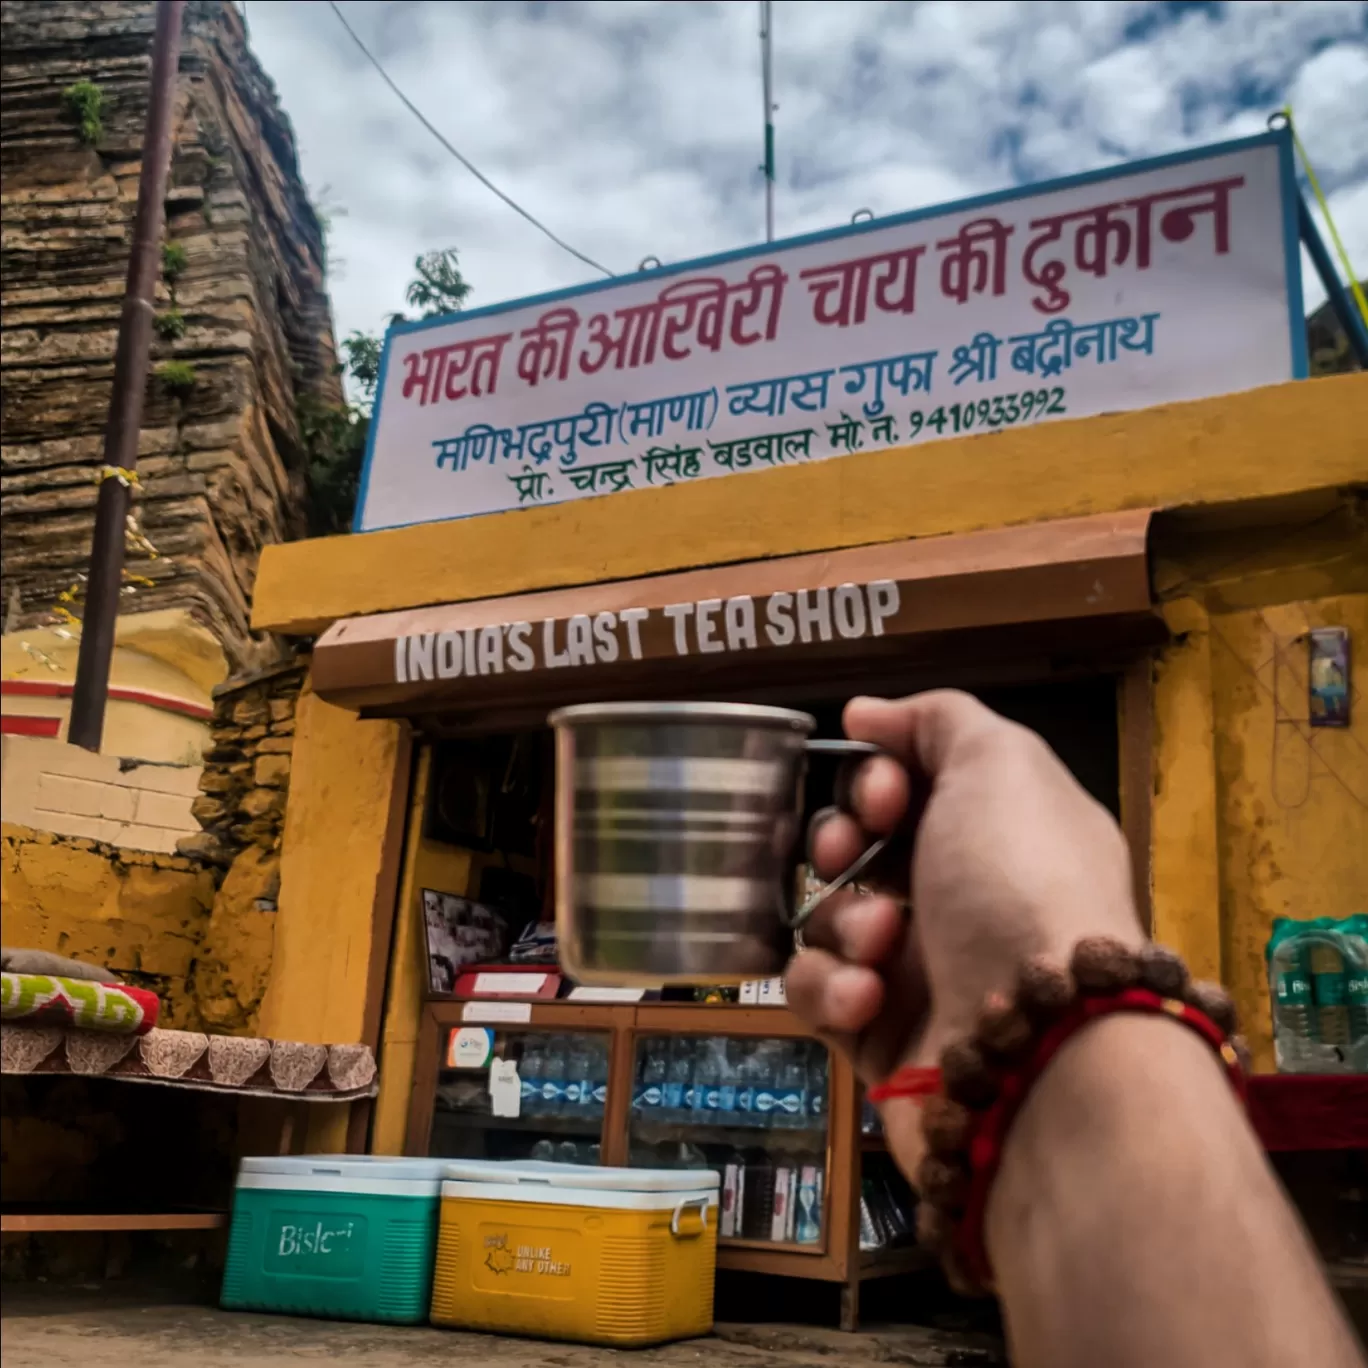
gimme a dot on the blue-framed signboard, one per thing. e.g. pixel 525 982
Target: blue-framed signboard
pixel 1149 283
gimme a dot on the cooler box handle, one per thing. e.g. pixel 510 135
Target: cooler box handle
pixel 694 1204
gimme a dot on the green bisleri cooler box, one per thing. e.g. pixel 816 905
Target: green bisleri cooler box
pixel 347 1236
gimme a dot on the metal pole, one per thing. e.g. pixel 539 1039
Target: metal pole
pixel 1349 317
pixel 767 80
pixel 124 423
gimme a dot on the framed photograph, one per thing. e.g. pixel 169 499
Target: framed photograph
pixel 458 932
pixel 1328 677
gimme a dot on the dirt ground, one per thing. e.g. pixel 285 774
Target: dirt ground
pixel 45 1327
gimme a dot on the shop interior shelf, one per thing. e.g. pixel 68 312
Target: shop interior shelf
pixel 755 1135
pixel 587 1127
pixel 895 1259
pixel 774 1246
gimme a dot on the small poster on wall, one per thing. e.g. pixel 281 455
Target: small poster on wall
pixel 459 932
pixel 1329 677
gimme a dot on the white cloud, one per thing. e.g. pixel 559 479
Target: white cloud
pixel 633 127
pixel 1331 86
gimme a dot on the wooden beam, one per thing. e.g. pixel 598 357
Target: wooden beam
pixel 33 1223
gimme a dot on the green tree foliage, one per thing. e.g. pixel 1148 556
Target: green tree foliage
pixel 362 351
pixel 439 287
pixel 334 438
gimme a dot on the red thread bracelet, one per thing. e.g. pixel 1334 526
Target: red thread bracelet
pixel 993 1124
pixel 908 1082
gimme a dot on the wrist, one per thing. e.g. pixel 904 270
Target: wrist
pixel 1112 1100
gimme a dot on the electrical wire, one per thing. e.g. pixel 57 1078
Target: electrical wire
pixel 465 161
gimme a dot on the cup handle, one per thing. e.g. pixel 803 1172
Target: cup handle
pixel 847 749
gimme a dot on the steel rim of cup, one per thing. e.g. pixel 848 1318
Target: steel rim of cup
pixel 750 714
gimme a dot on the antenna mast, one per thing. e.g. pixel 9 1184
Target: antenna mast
pixel 767 78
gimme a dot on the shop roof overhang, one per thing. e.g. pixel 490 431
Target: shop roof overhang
pixel 831 615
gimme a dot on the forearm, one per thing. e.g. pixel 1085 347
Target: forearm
pixel 1130 1182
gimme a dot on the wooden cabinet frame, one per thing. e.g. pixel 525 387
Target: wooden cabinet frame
pixel 838 1259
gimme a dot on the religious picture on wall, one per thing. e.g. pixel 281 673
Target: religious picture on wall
pixel 1328 677
pixel 459 932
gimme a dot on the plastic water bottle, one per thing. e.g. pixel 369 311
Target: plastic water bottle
pixel 791 1102
pixel 576 1067
pixel 729 1065
pixel 530 1074
pixel 544 1151
pixel 1330 987
pixel 1293 1014
pixel 594 1089
pixel 745 1083
pixel 1356 991
pixel 768 1066
pixel 708 1069
pixel 640 1064
pixel 690 1083
pixel 817 1085
pixel 650 1097
pixel 678 1081
pixel 553 1077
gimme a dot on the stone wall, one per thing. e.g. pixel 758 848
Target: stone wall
pixel 241 807
pixel 141 914
pixel 246 771
pixel 222 463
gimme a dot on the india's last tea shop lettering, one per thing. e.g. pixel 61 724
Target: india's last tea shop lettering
pixel 713 626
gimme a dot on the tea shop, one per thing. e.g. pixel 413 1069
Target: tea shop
pixel 1055 447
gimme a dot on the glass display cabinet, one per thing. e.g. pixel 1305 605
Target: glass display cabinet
pixel 562 1082
pixel 807 1190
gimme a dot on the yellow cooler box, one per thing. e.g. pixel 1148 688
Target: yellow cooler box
pixel 613 1256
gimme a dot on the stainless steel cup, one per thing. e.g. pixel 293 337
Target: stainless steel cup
pixel 678 827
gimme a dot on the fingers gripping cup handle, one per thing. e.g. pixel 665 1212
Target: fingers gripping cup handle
pixel 846 750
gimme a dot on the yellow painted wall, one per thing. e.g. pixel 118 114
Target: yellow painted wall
pixel 1256 815
pixel 137 913
pixel 1184 879
pixel 1292 799
pixel 427 864
pixel 1239 446
pixel 342 780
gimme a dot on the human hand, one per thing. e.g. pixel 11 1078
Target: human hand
pixel 1011 859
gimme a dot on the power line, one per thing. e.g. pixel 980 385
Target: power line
pixel 469 166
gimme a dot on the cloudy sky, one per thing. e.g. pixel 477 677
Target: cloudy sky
pixel 632 128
